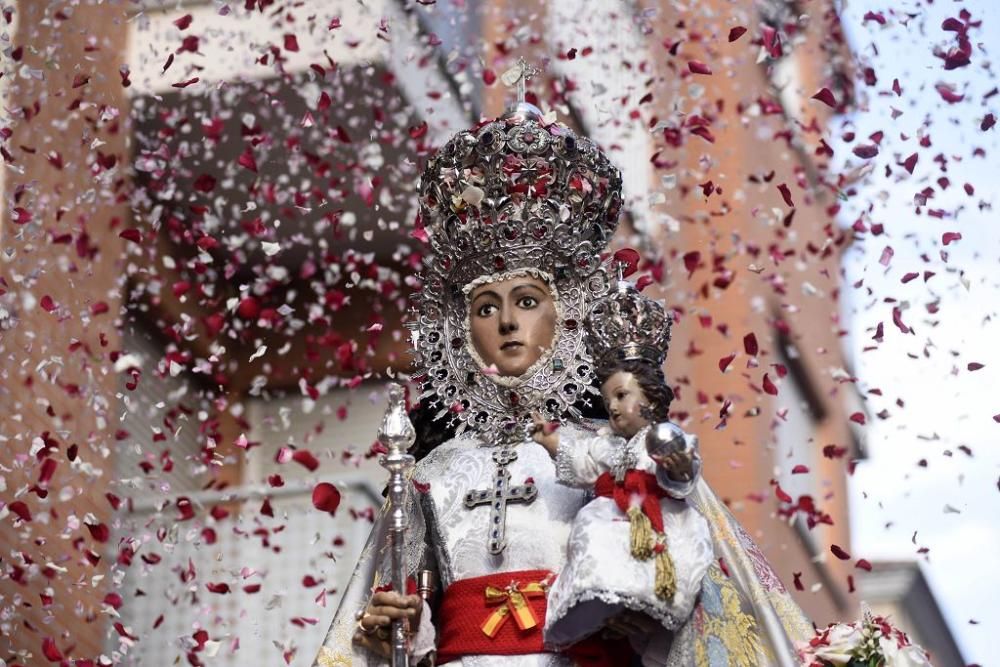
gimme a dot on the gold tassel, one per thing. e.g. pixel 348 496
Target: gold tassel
pixel 641 534
pixel 665 584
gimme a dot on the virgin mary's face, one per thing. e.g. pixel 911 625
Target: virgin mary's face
pixel 512 322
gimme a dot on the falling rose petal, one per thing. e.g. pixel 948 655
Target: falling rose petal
pixel 184 22
pixel 489 77
pixel 48 304
pixel 326 497
pixel 839 552
pixel 51 651
pixel 698 67
pixel 132 234
pixel 887 253
pixel 858 418
pixel 786 194
pixel 750 344
pixel 218 588
pixel 989 120
pixel 897 319
pixel 645 280
pixel 291 43
pixel 974 366
pixel 99 532
pixel 22 216
pixel 736 33
pixel 769 387
pixel 948 94
pixel 863 564
pixel 724 362
pixel 20 508
pixel 418 131
pixel 691 261
pixel 306 459
pixel 629 259
pixel 950 237
pixel 800 469
pixel 247 160
pixel 866 151
pixel 826 97
pixel 910 162
pixel 204 183
pixel 241 441
pixel 781 494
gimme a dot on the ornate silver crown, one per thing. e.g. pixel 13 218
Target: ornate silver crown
pixel 512 194
pixel 518 192
pixel 626 325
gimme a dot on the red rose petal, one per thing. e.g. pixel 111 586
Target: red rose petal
pixel 839 552
pixel 50 650
pixel 826 97
pixel 736 33
pixel 183 22
pixel 305 458
pixel 629 258
pixel 725 361
pixel 698 67
pixel 863 564
pixel 769 386
pixel 326 497
pixel 866 151
pixel 247 160
pixel 19 508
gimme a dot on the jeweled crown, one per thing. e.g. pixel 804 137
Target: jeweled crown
pixel 515 192
pixel 625 325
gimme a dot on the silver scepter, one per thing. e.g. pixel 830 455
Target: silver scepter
pixel 397 435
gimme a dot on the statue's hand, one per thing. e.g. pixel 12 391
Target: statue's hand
pixel 374 624
pixel 545 434
pixel 679 465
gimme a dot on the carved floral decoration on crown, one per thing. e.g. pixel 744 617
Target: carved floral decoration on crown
pixel 625 325
pixel 516 193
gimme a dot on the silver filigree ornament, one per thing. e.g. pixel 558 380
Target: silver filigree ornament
pixel 510 195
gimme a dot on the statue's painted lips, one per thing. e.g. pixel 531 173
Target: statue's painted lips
pixel 512 345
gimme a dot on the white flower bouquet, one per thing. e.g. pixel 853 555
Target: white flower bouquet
pixel 870 642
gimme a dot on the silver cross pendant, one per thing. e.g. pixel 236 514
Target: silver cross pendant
pixel 499 496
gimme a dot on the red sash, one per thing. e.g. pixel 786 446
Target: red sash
pixel 504 614
pixel 637 483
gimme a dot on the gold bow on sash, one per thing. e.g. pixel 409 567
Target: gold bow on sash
pixel 516 604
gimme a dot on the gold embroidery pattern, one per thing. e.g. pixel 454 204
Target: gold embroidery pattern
pixel 328 658
pixel 734 628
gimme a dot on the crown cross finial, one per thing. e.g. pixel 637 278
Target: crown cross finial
pixel 518 75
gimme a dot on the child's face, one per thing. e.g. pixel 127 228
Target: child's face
pixel 624 401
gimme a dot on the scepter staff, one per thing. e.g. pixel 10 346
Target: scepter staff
pixel 398 435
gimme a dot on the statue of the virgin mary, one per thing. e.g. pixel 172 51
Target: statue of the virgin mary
pixel 517 211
